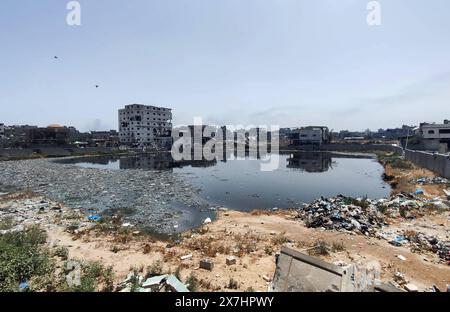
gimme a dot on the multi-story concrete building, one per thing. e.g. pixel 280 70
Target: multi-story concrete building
pixel 435 137
pixel 49 136
pixel 104 138
pixel 310 135
pixel 143 125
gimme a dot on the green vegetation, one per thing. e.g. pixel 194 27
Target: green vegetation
pixel 7 223
pixel 62 252
pixel 23 257
pixel 93 274
pixel 395 161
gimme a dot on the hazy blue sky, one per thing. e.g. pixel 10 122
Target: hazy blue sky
pixel 285 62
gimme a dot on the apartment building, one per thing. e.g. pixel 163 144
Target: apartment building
pixel 145 126
pixel 435 137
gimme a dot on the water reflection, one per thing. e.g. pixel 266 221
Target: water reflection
pixel 310 162
pixel 303 161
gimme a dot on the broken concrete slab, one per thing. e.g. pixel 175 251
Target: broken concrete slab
pixel 298 272
pixel 164 282
pixel 411 287
pixel 154 281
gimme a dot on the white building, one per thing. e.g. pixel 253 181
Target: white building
pixel 435 136
pixel 144 125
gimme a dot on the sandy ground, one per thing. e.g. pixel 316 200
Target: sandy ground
pixel 265 230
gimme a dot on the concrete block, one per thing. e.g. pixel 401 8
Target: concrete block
pixel 231 260
pixel 207 264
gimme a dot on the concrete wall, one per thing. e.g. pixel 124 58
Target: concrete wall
pixel 438 163
pixel 53 151
pixel 341 147
pixel 360 147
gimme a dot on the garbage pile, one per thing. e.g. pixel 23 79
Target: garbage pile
pixel 420 241
pixel 343 214
pixel 363 215
pixel 430 181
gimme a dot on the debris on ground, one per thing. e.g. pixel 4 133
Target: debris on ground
pixel 162 283
pixel 411 287
pixel 231 260
pixel 430 181
pixel 343 214
pixel 186 257
pixel 207 264
pixel 94 218
pixel 420 242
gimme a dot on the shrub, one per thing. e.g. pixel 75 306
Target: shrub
pixel 91 273
pixel 192 283
pixel 7 223
pixel 108 279
pixel 22 257
pixel 232 284
pixel 62 252
pixel 268 250
pixel 279 239
pixel 155 269
pixel 336 247
pixel 320 248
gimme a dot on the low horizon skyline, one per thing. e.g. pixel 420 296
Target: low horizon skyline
pixel 214 125
pixel 287 62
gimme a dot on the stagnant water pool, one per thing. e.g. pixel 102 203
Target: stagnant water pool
pixel 240 184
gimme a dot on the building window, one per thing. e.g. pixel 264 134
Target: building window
pixel 444 131
pixel 430 131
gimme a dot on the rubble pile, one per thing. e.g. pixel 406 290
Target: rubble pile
pixel 430 181
pixel 364 216
pixel 420 241
pixel 344 214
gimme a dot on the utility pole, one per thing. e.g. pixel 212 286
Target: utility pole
pixel 406 144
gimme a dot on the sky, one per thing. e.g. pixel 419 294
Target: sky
pixel 255 62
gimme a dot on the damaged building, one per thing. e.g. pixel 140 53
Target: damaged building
pixel 312 135
pixel 105 138
pixel 49 136
pixel 145 126
pixel 435 137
